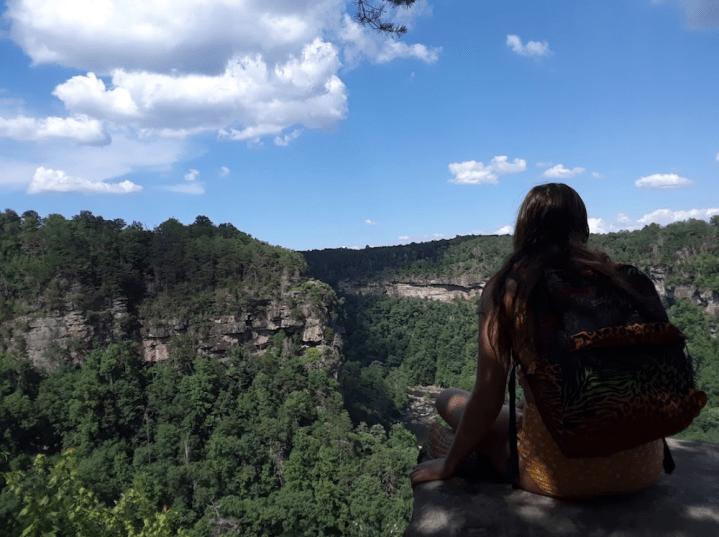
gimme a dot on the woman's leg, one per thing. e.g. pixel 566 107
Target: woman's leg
pixel 450 404
pixel 495 445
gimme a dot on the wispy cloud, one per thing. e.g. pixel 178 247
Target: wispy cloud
pixel 560 172
pixel 48 180
pixel 662 181
pixel 471 172
pixel 360 43
pixel 284 141
pixel 190 186
pixel 80 129
pixel 370 222
pixel 702 13
pixel 224 171
pixel 534 49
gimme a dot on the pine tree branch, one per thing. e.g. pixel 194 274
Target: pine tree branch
pixel 372 16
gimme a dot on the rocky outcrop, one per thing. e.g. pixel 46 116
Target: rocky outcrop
pixel 445 290
pixel 709 300
pixel 67 333
pixel 254 325
pixel 469 287
pixel 683 504
pixel 420 410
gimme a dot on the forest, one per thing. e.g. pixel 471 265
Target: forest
pixel 251 443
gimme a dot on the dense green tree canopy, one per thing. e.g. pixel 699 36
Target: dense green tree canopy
pixel 249 444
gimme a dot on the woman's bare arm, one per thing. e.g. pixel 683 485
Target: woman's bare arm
pixel 480 413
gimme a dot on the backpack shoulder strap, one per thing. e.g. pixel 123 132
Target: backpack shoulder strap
pixel 513 463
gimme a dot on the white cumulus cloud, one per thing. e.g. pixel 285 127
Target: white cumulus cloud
pixel 668 216
pixel 187 35
pixel 243 68
pixel 662 181
pixel 658 216
pixel 505 230
pixel 88 95
pixel 597 225
pixel 250 99
pixel 560 172
pixel 49 180
pixel 79 129
pixel 471 172
pixel 532 48
pixel 224 171
pixel 370 222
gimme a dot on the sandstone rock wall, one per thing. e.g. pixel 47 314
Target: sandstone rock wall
pixel 444 291
pixel 470 288
pixel 67 334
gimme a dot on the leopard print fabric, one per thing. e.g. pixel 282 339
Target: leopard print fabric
pixel 634 334
pixel 600 412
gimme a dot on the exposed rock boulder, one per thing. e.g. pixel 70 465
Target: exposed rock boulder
pixel 683 504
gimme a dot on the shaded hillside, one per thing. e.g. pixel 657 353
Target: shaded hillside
pixel 689 250
pixel 395 340
pixel 453 257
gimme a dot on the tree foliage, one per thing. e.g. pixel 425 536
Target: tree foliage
pixel 55 503
pixel 253 445
pixel 373 15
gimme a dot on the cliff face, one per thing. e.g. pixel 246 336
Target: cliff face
pixel 468 288
pixel 444 289
pixel 67 333
pixel 255 325
pixel 709 300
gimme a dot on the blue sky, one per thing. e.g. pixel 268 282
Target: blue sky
pixel 305 130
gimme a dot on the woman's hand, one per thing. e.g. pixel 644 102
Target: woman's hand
pixel 433 470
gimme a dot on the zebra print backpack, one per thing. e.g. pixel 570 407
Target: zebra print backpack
pixel 611 372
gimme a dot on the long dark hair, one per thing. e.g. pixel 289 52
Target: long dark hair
pixel 551 233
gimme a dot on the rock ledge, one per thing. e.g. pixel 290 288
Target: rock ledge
pixel 683 504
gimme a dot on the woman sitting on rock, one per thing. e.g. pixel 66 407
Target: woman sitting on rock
pixel 551 229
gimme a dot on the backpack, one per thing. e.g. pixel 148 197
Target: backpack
pixel 610 371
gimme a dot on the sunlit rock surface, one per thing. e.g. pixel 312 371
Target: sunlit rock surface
pixel 682 504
